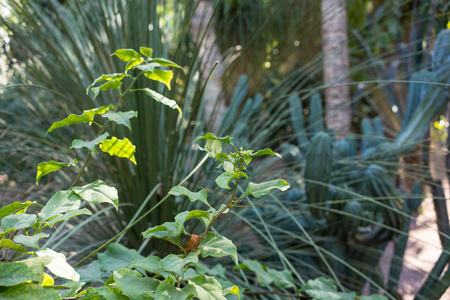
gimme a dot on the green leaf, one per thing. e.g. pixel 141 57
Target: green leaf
pixel 321 288
pixel 180 190
pixel 86 117
pixel 15 208
pixel 68 215
pixel 51 166
pixel 166 63
pixel 175 263
pixel 146 51
pixel 30 241
pixel 61 202
pixel 58 264
pixel 150 67
pixel 160 98
pixel 224 179
pixel 282 278
pixel 113 85
pixel 209 136
pixel 133 63
pixel 262 152
pixel 151 264
pixel 372 297
pixel 14 273
pixel 168 291
pixel 169 231
pixel 92 273
pixel 217 271
pixel 185 216
pixel 78 144
pixel 231 290
pixel 127 54
pixel 98 192
pixel 134 287
pixel 218 247
pixel 206 288
pixel 93 293
pixel 263 276
pixel 121 148
pixel 7 243
pixel 261 189
pixel 18 221
pixel 117 256
pixel 161 76
pixel 121 118
pixel 30 292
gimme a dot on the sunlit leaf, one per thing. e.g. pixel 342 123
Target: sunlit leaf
pixel 31 240
pixel 29 291
pixel 133 63
pixel 160 98
pixel 234 290
pixel 224 179
pixel 218 247
pixel 206 288
pixel 58 265
pixel 60 202
pixel 127 54
pixel 146 51
pixel 14 273
pixel 86 117
pixel 209 136
pixel 7 243
pixel 18 221
pixel 98 192
pixel 121 148
pixel 121 118
pixel 107 77
pixel 261 189
pixel 78 144
pixel 160 76
pixel 166 63
pixel 51 166
pixel 15 207
pixel 48 280
pixel 68 215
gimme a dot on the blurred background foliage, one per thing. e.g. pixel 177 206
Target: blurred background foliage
pixel 349 197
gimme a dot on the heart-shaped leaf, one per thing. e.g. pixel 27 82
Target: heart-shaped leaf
pixel 51 166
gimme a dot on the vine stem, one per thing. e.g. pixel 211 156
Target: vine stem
pixel 140 218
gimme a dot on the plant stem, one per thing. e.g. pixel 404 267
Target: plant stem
pixel 299 295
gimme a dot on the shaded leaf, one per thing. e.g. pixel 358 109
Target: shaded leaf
pixel 134 287
pixel 14 273
pixel 282 278
pixel 150 67
pixel 93 293
pixel 160 98
pixel 61 202
pixel 262 152
pixel 224 179
pixel 206 288
pixel 92 273
pixel 18 221
pixel 68 215
pixel 98 192
pixel 7 243
pixel 121 118
pixel 121 148
pixel 167 290
pixel 209 136
pixel 30 292
pixel 150 264
pixel 160 76
pixel 15 207
pixel 51 166
pixel 86 117
pixel 175 264
pixel 117 256
pixel 218 247
pixel 200 196
pixel 263 276
pixel 169 231
pixel 78 144
pixel 261 189
pixel 30 241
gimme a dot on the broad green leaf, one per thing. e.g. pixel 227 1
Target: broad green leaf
pixel 134 287
pixel 113 85
pixel 169 231
pixel 127 54
pixel 48 280
pixel 58 265
pixel 150 264
pixel 18 221
pixel 373 297
pixel 37 265
pixel 185 216
pixel 146 51
pixel 7 243
pixel 92 273
pixel 231 290
pixel 262 152
pixel 14 273
pixel 321 288
pixel 175 263
pixel 206 288
pixel 263 276
pixel 61 202
pixel 160 76
pixel 51 166
pixel 29 291
pixel 68 215
pixel 121 148
pixel 166 63
pixel 224 179
pixel 168 291
pixel 96 293
pixel 180 190
pixel 78 144
pixel 98 192
pixel 133 63
pixel 117 256
pixel 150 67
pixel 122 272
pixel 107 77
pixel 160 98
pixel 217 271
pixel 30 241
pixel 86 117
pixel 282 278
pixel 15 208
pixel 209 136
pixel 121 118
pixel 261 189
pixel 219 247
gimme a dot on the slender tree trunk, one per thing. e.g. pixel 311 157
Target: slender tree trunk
pixel 209 55
pixel 336 66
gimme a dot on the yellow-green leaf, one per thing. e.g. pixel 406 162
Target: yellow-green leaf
pixel 146 51
pixel 121 148
pixel 160 98
pixel 161 76
pixel 51 166
pixel 127 54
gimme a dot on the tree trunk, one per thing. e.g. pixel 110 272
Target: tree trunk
pixel 336 66
pixel 209 54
